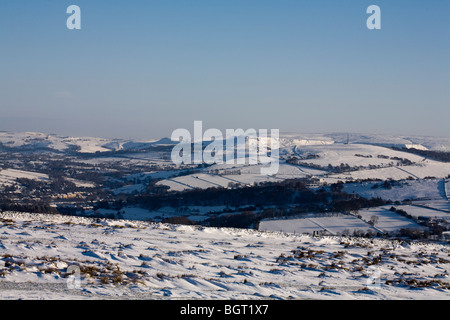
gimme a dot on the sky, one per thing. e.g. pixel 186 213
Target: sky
pixel 141 69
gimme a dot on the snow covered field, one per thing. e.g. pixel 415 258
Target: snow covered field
pixel 204 181
pixel 383 219
pixel 409 189
pixel 427 168
pixel 388 221
pixel 441 205
pixel 63 257
pixel 366 154
pixel 428 210
pixel 331 225
pixel 9 176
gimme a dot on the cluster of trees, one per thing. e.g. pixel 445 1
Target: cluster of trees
pixel 37 207
pixel 401 212
pixel 403 161
pixel 363 156
pixel 414 234
pixel 267 193
pixel 137 150
pixel 387 184
pixel 298 160
pixel 246 219
pixel 225 172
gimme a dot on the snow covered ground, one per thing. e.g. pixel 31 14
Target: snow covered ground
pixel 63 257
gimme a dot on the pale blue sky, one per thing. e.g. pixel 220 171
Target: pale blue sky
pixel 140 69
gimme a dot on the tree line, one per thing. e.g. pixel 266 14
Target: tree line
pixel 247 206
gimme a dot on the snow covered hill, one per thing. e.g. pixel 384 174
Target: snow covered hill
pixel 63 257
pixel 38 140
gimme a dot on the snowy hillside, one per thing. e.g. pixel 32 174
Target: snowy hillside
pixel 417 142
pixel 62 257
pixel 37 140
pixel 330 162
pixel 287 141
pixel 8 176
